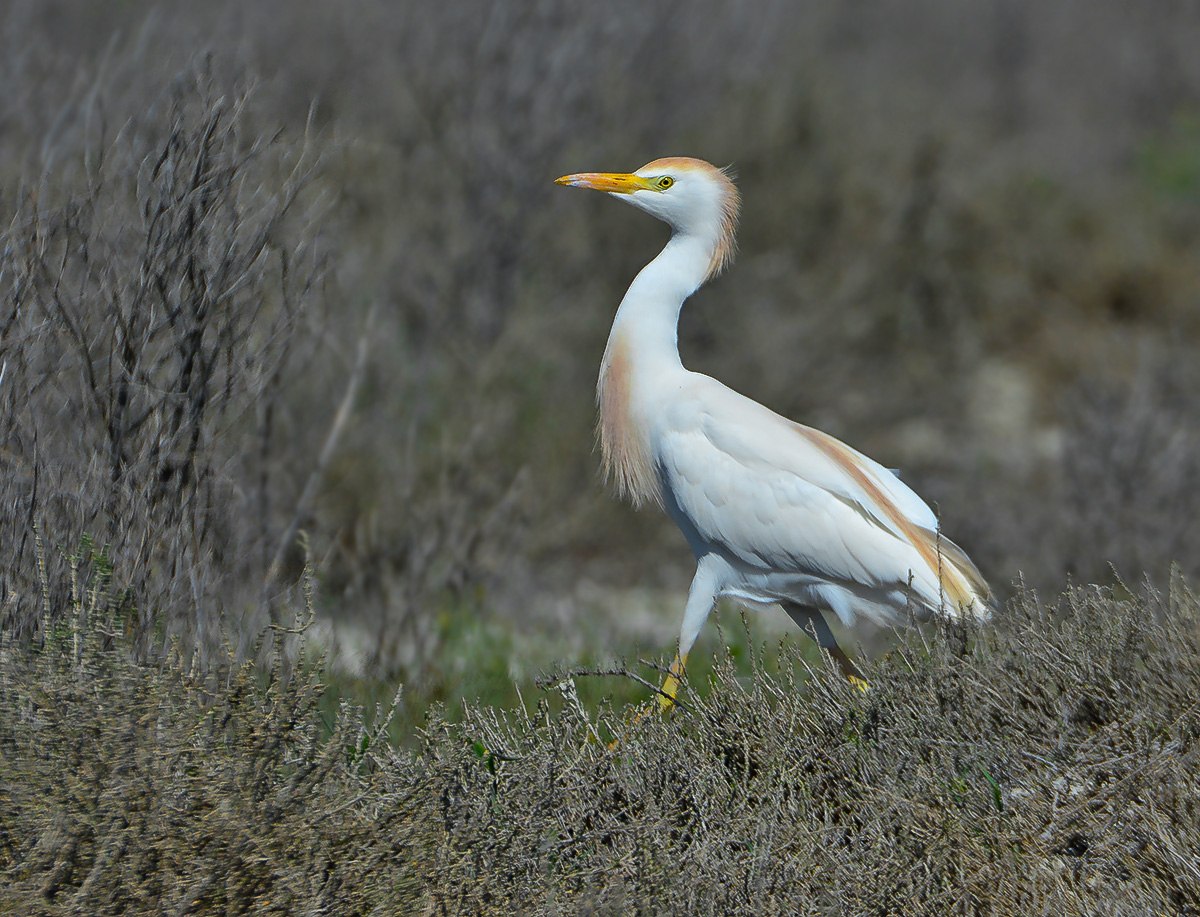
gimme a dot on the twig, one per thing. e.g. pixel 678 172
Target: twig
pixel 545 683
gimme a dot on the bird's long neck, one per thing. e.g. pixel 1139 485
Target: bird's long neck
pixel 641 356
pixel 648 318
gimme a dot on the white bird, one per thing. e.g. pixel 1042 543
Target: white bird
pixel 775 512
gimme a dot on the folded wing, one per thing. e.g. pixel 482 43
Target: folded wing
pixel 781 497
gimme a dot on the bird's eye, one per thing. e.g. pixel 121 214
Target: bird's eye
pixel 665 182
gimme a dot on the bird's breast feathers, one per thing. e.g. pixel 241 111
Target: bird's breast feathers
pixel 625 440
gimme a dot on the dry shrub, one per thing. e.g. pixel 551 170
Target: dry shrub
pixel 157 298
pixel 1044 766
pixel 165 789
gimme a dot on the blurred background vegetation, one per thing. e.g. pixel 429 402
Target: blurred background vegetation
pixel 289 280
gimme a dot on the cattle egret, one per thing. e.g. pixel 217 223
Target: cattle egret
pixel 775 512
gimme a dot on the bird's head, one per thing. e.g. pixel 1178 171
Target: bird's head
pixel 694 197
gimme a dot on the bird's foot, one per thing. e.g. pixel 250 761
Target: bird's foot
pixel 667 695
pixel 644 711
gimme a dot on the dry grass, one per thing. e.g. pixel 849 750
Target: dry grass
pixel 1045 766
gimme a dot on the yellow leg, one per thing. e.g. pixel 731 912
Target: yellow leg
pixel 849 669
pixel 811 620
pixel 666 700
pixel 671 684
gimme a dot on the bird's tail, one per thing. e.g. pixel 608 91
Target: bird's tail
pixel 964 592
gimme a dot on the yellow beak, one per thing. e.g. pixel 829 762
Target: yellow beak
pixel 613 182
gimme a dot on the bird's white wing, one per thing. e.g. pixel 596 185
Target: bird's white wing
pixel 782 497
